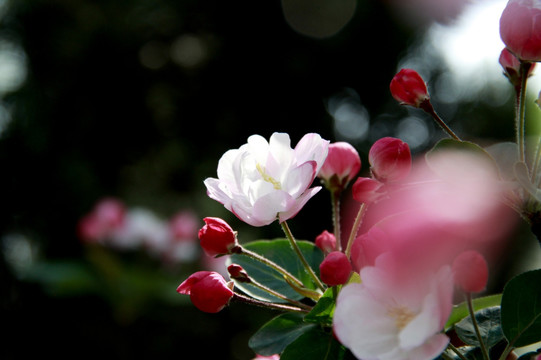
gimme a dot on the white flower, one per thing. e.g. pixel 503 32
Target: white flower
pixel 387 317
pixel 264 181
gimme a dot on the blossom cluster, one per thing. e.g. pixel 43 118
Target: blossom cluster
pixel 425 232
pixel 111 223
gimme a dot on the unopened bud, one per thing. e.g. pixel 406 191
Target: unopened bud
pixel 470 271
pixel 409 88
pixel 335 269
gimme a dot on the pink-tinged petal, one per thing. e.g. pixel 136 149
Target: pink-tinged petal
pixel 219 191
pixel 300 178
pixel 266 208
pixel 187 284
pixel 423 326
pixel 299 203
pixel 312 147
pixel 430 349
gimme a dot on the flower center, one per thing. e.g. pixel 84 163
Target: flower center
pixel 268 178
pixel 402 316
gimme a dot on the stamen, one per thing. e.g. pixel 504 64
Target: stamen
pixel 268 178
pixel 402 316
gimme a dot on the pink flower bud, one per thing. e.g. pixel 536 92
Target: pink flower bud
pixel 326 241
pixel 238 273
pixel 340 167
pixel 335 269
pixel 208 291
pixel 511 67
pixel 520 29
pixel 470 271
pixel 390 159
pixel 409 88
pixel 367 190
pixel 217 237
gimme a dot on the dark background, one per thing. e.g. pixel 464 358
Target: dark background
pixel 108 109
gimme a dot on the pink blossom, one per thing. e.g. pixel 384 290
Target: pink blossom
pixel 394 316
pixel 264 181
pixel 335 269
pixel 103 221
pixel 208 291
pixel 184 226
pixel 520 29
pixel 341 166
pixel 409 88
pixel 272 357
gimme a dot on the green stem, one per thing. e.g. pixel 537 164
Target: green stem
pixel 456 351
pixel 428 108
pixel 335 199
pixel 242 251
pixel 278 295
pixel 476 326
pixel 355 228
pixel 269 305
pixel 301 257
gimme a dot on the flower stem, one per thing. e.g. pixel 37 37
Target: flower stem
pixel 335 199
pixel 274 306
pixel 301 257
pixel 476 326
pixel 428 108
pixel 242 251
pixel 278 295
pixel 356 225
pixel 456 351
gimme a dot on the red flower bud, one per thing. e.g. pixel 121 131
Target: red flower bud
pixel 390 159
pixel 238 273
pixel 217 237
pixel 208 291
pixel 340 167
pixel 470 271
pixel 335 269
pixel 367 190
pixel 326 241
pixel 520 29
pixel 409 88
pixel 511 67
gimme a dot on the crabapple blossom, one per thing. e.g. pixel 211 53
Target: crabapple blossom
pixel 390 159
pixel 217 237
pixel 409 88
pixel 264 181
pixel 470 271
pixel 341 166
pixel 208 291
pixel 391 316
pixel 520 29
pixel 335 269
pixel 326 241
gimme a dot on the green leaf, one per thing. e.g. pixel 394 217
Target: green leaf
pixel 280 252
pixel 488 321
pixel 460 311
pixel 506 155
pixel 521 309
pixel 476 156
pixel 323 311
pixel 273 337
pixel 316 344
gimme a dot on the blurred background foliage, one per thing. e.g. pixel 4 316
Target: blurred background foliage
pixel 138 99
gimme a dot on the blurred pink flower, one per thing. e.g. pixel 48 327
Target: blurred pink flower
pixel 264 181
pixel 184 226
pixel 106 218
pixel 392 315
pixel 271 357
pixel 520 29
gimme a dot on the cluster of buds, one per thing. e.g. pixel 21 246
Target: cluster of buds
pixel 111 223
